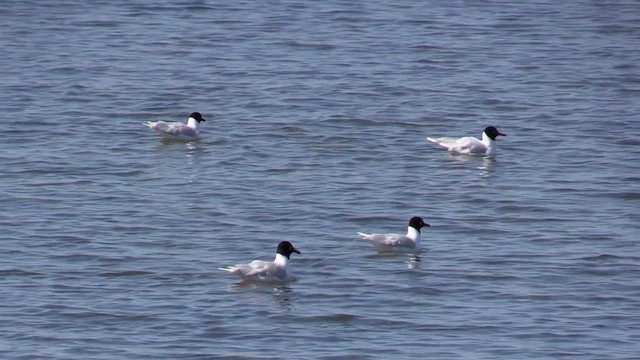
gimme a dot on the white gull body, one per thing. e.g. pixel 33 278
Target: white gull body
pixel 469 145
pixel 398 242
pixel 177 130
pixel 267 271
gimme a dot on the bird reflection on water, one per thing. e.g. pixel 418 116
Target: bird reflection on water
pixel 486 164
pixel 283 294
pixel 482 166
pixel 413 261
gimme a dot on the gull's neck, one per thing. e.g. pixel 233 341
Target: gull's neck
pixel 489 143
pixel 281 260
pixel 193 123
pixel 413 234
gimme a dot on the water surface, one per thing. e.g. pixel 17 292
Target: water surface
pixel 317 118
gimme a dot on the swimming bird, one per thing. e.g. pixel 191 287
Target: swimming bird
pixel 398 242
pixel 177 130
pixel 469 145
pixel 267 271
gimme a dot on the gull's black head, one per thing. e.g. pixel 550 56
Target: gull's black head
pixel 285 248
pixel 197 116
pixel 492 132
pixel 417 223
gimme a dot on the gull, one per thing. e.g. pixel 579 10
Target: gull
pixel 469 145
pixel 267 271
pixel 177 130
pixel 395 242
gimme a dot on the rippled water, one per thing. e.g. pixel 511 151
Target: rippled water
pixel 318 114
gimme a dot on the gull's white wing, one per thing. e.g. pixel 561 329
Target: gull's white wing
pixel 173 129
pixel 258 270
pixel 382 241
pixel 463 145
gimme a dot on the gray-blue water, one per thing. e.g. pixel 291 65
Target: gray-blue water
pixel 317 114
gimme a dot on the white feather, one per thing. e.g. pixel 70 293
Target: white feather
pixel 394 242
pixel 176 130
pixel 467 145
pixel 263 271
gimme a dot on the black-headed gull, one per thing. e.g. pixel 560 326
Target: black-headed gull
pixel 267 271
pixel 395 242
pixel 469 145
pixel 177 130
